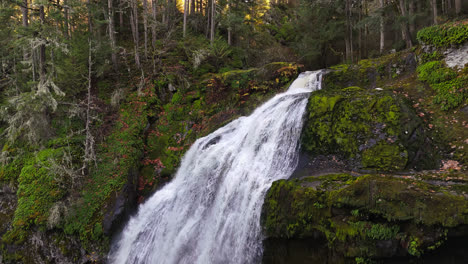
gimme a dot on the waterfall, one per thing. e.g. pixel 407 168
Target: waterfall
pixel 210 211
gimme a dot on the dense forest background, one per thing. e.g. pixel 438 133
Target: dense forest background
pixel 81 79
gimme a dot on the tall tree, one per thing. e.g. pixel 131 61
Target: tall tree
pixel 382 26
pixel 186 7
pixel 213 14
pixel 112 33
pixel 145 25
pixel 458 6
pixel 42 49
pixel 404 24
pixel 154 14
pixel 434 11
pixel 134 28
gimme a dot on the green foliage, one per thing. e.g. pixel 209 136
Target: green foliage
pixel 39 188
pixel 451 87
pixel 435 72
pixel 444 35
pixel 382 232
pixel 119 154
pixel 414 247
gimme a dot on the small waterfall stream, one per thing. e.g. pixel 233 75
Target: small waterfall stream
pixel 210 211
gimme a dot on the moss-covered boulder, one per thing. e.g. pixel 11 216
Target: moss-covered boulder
pixel 366 216
pixel 371 73
pixel 372 129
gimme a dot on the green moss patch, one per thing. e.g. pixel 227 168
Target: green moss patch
pixel 355 213
pixel 375 129
pixel 453 33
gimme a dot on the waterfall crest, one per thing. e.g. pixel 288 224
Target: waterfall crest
pixel 210 211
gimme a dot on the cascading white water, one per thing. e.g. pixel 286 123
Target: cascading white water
pixel 210 212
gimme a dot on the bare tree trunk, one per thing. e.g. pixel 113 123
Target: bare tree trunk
pixel 42 50
pixel 360 35
pixel 348 41
pixel 434 10
pixel 24 10
pixel 412 11
pixel 366 30
pixel 458 6
pixel 192 6
pixel 121 20
pixel 145 25
pixel 186 4
pixel 112 33
pixel 134 27
pixel 404 25
pixel 90 21
pixel 213 13
pixel 382 27
pixel 66 15
pixel 89 153
pixel 153 27
pixel 229 27
pixel 208 15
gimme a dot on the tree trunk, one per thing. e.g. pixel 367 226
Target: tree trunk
pixel 65 16
pixel 89 153
pixel 360 35
pixel 412 11
pixel 145 25
pixel 208 16
pixel 24 10
pixel 112 33
pixel 213 13
pixel 434 10
pixel 42 49
pixel 134 27
pixel 192 7
pixel 404 25
pixel 366 30
pixel 121 20
pixel 90 23
pixel 186 4
pixel 382 27
pixel 348 37
pixel 153 27
pixel 458 6
pixel 229 26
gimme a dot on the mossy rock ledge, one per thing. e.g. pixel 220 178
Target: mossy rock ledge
pixel 371 130
pixel 367 216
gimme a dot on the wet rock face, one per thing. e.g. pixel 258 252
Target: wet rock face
pixel 371 130
pixel 8 203
pixel 457 57
pixel 118 210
